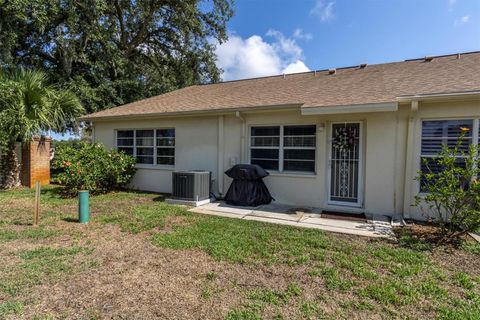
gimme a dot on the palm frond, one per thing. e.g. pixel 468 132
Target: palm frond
pixel 30 106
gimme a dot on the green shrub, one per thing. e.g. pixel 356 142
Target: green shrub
pixel 89 166
pixel 453 193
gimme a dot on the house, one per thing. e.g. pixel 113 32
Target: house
pixel 347 139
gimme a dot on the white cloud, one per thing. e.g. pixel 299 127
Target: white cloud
pixel 255 57
pixel 451 3
pixel 463 20
pixel 299 34
pixel 284 46
pixel 323 10
pixel 297 66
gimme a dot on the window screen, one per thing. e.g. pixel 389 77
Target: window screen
pixel 265 147
pixel 436 134
pixel 299 148
pixel 284 148
pixel 152 146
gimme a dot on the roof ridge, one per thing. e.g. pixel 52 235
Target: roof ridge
pixel 444 55
pixel 338 68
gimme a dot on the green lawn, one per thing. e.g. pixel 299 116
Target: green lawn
pixel 230 268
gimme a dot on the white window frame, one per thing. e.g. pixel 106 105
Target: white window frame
pixel 281 147
pixel 475 139
pixel 146 165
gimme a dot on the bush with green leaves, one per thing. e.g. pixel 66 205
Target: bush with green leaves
pixel 452 193
pixel 89 166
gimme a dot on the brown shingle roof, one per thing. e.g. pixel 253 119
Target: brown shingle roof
pixel 373 84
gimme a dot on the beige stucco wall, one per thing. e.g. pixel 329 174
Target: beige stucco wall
pixel 383 168
pixel 431 111
pixel 196 148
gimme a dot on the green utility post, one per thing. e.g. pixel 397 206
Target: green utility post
pixel 83 209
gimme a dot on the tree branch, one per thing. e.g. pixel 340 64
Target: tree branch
pixel 123 35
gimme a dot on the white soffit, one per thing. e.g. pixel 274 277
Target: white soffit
pixel 354 108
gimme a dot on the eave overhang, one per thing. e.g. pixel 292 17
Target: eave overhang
pixel 354 108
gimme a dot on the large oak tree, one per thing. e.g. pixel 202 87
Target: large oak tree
pixel 114 52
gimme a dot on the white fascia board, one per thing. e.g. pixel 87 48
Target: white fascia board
pixel 200 112
pixel 354 108
pixel 441 96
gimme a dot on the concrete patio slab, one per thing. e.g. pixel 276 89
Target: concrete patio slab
pixel 340 223
pixel 475 236
pixel 288 213
pixel 218 213
pixel 283 214
pixel 223 207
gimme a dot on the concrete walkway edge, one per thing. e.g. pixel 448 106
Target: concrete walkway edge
pixel 378 227
pixel 475 236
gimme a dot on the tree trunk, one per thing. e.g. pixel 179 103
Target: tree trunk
pixel 9 167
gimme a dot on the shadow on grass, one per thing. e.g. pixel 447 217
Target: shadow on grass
pixel 56 191
pixel 61 192
pixel 21 223
pixel 70 219
pixel 160 198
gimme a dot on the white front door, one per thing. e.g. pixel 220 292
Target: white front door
pixel 345 164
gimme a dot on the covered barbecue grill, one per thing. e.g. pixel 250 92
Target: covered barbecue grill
pixel 247 188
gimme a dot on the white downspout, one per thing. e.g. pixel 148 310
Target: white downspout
pixel 244 133
pixel 407 183
pixel 93 132
pixel 220 154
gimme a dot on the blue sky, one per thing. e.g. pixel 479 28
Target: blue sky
pixel 277 36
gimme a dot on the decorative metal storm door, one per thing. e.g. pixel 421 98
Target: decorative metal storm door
pixel 345 166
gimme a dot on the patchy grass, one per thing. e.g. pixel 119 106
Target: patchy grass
pixel 269 296
pixel 38 266
pixel 217 267
pixel 463 280
pixel 10 307
pixel 243 314
pixel 247 241
pixel 27 234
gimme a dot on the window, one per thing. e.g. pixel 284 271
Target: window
pixel 144 146
pixel 165 146
pixel 153 146
pixel 299 148
pixel 437 133
pixel 125 141
pixel 265 147
pixel 284 148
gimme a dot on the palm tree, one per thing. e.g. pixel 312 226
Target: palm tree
pixel 29 106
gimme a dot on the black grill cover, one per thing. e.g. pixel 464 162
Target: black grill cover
pixel 247 188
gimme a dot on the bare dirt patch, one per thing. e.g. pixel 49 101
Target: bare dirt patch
pixel 133 279
pixel 142 259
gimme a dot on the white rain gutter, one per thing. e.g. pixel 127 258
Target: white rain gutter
pixel 201 112
pixel 93 131
pixel 244 133
pixel 409 155
pixel 354 108
pixel 220 154
pixel 475 94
